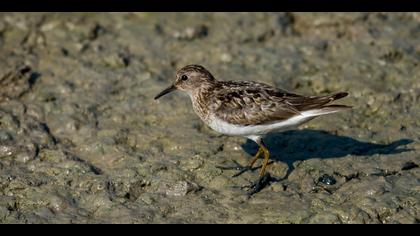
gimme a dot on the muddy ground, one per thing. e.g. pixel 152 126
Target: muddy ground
pixel 83 141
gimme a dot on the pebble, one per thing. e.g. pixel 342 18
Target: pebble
pixel 181 188
pixel 191 33
pixel 226 57
pixel 6 150
pixel 327 179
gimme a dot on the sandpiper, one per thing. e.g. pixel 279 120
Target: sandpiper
pixel 249 109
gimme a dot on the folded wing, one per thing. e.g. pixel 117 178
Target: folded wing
pixel 253 103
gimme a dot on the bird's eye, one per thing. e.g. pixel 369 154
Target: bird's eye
pixel 184 77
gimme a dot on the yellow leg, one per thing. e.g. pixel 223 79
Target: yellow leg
pixel 249 166
pixel 260 150
pixel 266 159
pixel 263 179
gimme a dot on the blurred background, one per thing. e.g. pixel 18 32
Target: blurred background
pixel 83 141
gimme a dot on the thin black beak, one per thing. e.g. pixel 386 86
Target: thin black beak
pixel 167 90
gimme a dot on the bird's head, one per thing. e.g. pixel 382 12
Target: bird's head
pixel 188 79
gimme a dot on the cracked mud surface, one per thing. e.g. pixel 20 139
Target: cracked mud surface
pixel 83 141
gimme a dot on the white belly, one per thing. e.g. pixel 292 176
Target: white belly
pixel 256 130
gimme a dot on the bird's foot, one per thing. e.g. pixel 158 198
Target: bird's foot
pixel 240 168
pixel 260 183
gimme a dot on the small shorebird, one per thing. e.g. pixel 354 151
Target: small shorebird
pixel 249 109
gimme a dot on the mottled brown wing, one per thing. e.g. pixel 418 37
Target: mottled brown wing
pixel 303 103
pixel 251 103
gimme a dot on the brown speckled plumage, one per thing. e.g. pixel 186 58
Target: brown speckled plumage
pixel 248 102
pixel 249 109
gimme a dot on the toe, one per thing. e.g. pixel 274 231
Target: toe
pixel 258 185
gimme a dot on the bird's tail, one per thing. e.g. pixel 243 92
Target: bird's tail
pixel 320 106
pixel 325 110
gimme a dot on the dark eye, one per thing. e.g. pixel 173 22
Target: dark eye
pixel 184 77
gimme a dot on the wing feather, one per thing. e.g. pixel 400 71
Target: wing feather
pixel 251 103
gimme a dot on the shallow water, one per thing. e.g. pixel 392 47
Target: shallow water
pixel 83 141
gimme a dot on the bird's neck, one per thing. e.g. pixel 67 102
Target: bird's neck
pixel 200 98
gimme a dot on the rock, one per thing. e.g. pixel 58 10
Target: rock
pixel 147 198
pixel 137 189
pixel 24 156
pixel 6 150
pixel 181 188
pixel 325 218
pixel 116 61
pixel 192 164
pixel 191 33
pixel 327 179
pixel 15 82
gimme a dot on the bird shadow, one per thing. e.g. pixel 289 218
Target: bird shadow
pixel 299 145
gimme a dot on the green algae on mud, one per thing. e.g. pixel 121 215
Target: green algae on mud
pixel 83 141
